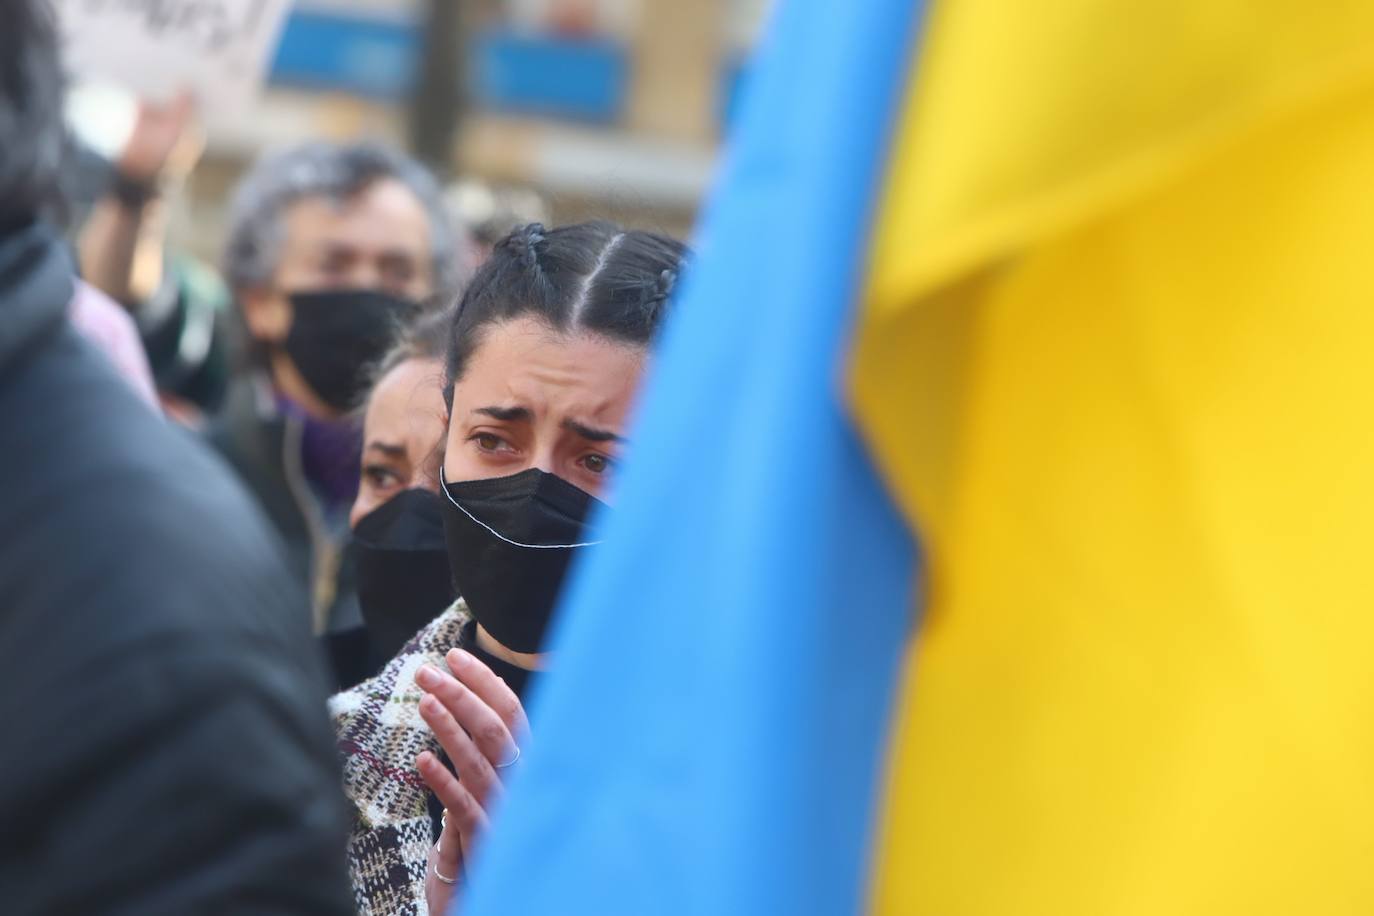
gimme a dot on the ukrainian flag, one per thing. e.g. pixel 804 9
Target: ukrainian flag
pixel 1089 283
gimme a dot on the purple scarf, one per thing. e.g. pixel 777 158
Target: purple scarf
pixel 331 454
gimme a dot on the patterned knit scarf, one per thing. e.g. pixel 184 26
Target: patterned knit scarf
pixel 380 732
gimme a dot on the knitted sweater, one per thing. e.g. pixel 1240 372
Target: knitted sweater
pixel 380 732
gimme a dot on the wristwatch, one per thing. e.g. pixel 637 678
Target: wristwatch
pixel 133 193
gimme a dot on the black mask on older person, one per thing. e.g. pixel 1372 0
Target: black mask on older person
pixel 402 568
pixel 336 335
pixel 510 540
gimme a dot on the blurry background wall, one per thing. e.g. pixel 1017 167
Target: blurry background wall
pixel 535 109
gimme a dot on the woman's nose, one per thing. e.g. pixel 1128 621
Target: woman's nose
pixel 542 459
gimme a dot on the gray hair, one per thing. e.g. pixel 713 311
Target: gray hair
pixel 32 136
pixel 338 172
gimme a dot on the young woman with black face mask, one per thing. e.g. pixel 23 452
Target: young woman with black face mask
pixel 546 352
pixel 399 557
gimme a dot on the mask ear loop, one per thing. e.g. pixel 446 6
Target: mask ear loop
pixel 443 485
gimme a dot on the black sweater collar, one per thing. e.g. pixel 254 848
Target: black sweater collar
pixel 516 677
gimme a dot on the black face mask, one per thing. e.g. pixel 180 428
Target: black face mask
pixel 510 540
pixel 336 334
pixel 402 567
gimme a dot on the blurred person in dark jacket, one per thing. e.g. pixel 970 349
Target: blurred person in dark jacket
pixel 165 744
pixel 330 249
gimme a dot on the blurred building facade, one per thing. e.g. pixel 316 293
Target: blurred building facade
pixel 599 107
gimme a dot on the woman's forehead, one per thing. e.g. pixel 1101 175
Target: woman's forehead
pixel 405 398
pixel 524 363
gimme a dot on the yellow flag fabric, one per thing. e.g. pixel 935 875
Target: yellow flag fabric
pixel 1117 364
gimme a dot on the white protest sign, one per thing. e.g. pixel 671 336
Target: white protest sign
pixel 216 48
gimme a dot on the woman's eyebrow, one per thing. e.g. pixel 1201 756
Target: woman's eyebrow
pixel 506 414
pixel 591 433
pixel 390 449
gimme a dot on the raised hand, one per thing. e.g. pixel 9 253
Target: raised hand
pixel 481 726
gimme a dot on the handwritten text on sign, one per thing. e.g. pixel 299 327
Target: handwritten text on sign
pixel 218 48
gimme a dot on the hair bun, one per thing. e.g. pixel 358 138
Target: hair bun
pixel 522 243
pixel 656 292
pixel 667 279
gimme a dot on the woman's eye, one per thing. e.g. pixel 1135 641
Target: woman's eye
pixel 597 464
pixel 488 442
pixel 380 477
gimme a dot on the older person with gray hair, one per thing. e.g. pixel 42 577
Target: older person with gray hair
pixel 330 248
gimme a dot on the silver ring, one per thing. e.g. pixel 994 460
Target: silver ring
pixel 512 761
pixel 435 868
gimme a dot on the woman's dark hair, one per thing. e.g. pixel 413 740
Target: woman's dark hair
pixel 424 337
pixel 591 277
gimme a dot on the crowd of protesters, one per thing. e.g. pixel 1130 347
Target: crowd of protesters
pixel 282 537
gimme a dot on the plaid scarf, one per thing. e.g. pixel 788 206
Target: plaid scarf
pixel 380 732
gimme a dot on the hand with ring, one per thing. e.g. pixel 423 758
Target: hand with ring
pixel 476 719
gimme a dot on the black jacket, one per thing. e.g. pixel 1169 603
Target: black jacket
pixel 264 448
pixel 164 746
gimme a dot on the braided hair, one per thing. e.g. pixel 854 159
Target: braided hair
pixel 594 277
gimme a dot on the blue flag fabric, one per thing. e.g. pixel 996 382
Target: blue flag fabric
pixel 712 735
